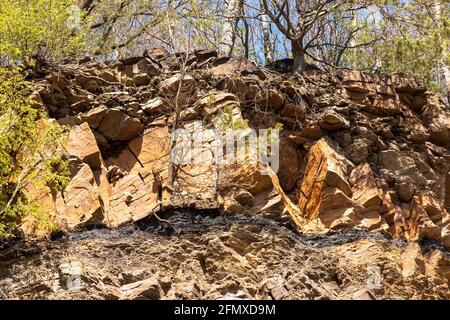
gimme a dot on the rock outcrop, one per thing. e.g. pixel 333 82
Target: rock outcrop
pixel 357 150
pixel 223 257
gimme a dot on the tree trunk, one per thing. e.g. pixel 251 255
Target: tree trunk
pixel 444 69
pixel 266 36
pixel 231 13
pixel 246 41
pixel 298 54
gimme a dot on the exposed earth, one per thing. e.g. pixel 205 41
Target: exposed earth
pixel 209 256
pixel 359 208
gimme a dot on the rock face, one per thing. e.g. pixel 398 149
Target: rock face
pixel 81 204
pixel 117 126
pixel 148 289
pixel 356 150
pixel 325 178
pixel 82 144
pixel 223 257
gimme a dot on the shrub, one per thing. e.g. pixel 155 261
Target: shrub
pixel 29 161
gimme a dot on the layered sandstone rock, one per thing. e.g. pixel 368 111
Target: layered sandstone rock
pixel 82 144
pixel 356 150
pixel 82 201
pixel 325 177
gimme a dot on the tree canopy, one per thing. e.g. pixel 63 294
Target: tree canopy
pixel 408 36
pixel 32 30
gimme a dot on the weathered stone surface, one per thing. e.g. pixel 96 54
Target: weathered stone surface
pixel 405 191
pixel 331 120
pixel 243 88
pixel 228 205
pixel 188 290
pixel 82 203
pixel 293 110
pixel 393 160
pixel 154 106
pixel 148 289
pixel 170 85
pixel 290 164
pixel 365 189
pixel 418 132
pixel 412 260
pixel 388 127
pixel 341 218
pixel 102 142
pixel 244 197
pixel 437 267
pixel 428 230
pixel 214 102
pixel 132 199
pixel 333 198
pixel 70 121
pixel 305 135
pixel 137 71
pixel 358 152
pixel 418 223
pixel 445 237
pixel 371 220
pixel 271 99
pixel 433 208
pixel 363 294
pixel 196 175
pixel 268 204
pixel 108 75
pixel 382 105
pixel 29 226
pixel 439 127
pixel 152 149
pixel 380 94
pixel 145 163
pixel 236 66
pixel 447 190
pixel 295 215
pixel 95 116
pixel 82 144
pixel 246 175
pixel 141 79
pixel 87 82
pixel 117 126
pixel 325 168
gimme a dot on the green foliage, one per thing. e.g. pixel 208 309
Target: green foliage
pixel 414 40
pixel 225 120
pixel 279 126
pixel 41 29
pixel 29 145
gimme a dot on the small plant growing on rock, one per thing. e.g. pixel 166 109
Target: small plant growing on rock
pixel 225 120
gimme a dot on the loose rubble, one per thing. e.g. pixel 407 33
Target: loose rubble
pixel 222 257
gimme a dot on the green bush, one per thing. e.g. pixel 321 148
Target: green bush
pixel 29 161
pixel 46 30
